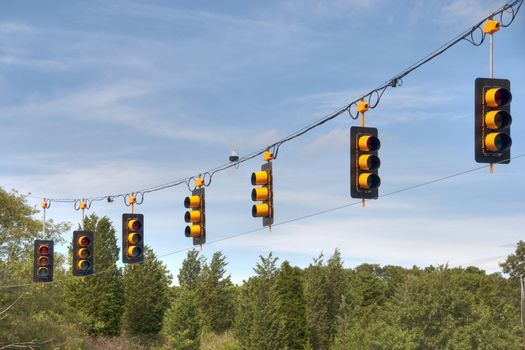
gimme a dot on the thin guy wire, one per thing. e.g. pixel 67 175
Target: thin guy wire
pixel 397 80
pixel 405 189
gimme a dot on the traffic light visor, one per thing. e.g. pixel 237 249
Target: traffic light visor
pixel 84 265
pixel 84 241
pixel 259 178
pixel 192 216
pixel 133 238
pixel 259 210
pixel 369 181
pixel 497 97
pixel 43 272
pixel 260 194
pixel 134 251
pixel 43 250
pixel 369 162
pixel 193 231
pixel 84 253
pixel 497 119
pixel 192 202
pixel 134 225
pixel 497 142
pixel 369 143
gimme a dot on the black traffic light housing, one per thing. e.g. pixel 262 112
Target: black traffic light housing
pixel 492 120
pixel 264 193
pixel 132 238
pixel 196 216
pixel 83 253
pixel 43 260
pixel 364 162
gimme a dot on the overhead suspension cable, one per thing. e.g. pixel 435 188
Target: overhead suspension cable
pixel 373 97
pixel 300 218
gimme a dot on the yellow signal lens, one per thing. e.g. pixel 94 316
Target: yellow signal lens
pixel 193 231
pixel 497 142
pixel 259 178
pixel 369 181
pixel 497 97
pixel 369 162
pixel 260 194
pixel 192 202
pixel 260 210
pixel 43 261
pixel 497 119
pixel 83 241
pixel 368 143
pixel 83 265
pixel 43 272
pixel 84 253
pixel 133 238
pixel 134 225
pixel 192 216
pixel 134 251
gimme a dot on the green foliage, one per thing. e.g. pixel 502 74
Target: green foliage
pixel 182 324
pixel 100 298
pixel 515 263
pixel 146 290
pixel 216 295
pixel 190 271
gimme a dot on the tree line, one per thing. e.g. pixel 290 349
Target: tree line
pixel 322 306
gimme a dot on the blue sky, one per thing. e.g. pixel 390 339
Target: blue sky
pixel 114 96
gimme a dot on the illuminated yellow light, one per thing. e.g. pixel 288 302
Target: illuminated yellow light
pixel 83 265
pixel 193 231
pixel 134 251
pixel 497 119
pixel 43 261
pixel 192 216
pixel 368 143
pixel 260 194
pixel 84 253
pixel 259 178
pixel 260 210
pixel 369 162
pixel 134 225
pixel 369 181
pixel 192 202
pixel 133 238
pixel 497 97
pixel 497 142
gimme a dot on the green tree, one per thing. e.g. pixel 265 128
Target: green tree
pixel 190 271
pixel 317 304
pixel 100 297
pixel 182 326
pixel 216 295
pixel 146 290
pixel 514 265
pixel 287 298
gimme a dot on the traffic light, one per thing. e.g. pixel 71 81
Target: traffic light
pixel 364 162
pixel 264 193
pixel 196 216
pixel 132 238
pixel 492 120
pixel 43 261
pixel 83 252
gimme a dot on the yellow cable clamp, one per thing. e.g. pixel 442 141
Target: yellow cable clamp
pixel 268 156
pixel 44 204
pixel 132 199
pixel 362 106
pixel 491 26
pixel 199 182
pixel 83 204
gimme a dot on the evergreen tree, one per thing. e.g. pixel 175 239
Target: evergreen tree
pixel 191 268
pixel 317 305
pixel 289 305
pixel 216 295
pixel 336 286
pixel 146 290
pixel 100 297
pixel 182 325
pixel 514 265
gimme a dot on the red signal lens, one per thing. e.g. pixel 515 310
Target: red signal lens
pixel 84 241
pixel 43 250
